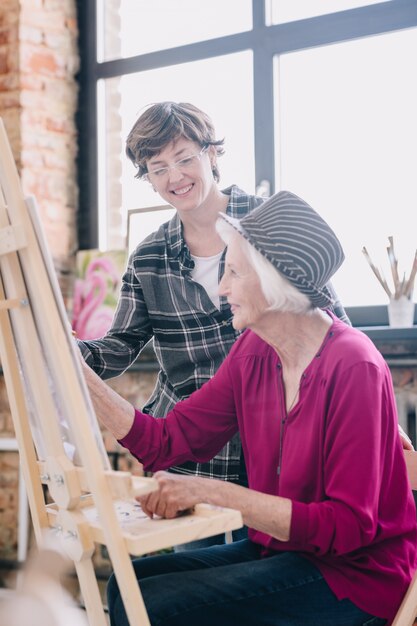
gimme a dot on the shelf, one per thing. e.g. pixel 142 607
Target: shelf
pixel 397 345
pixel 389 334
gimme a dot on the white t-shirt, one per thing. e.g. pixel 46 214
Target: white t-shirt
pixel 206 272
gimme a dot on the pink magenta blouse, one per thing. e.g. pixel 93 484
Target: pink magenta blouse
pixel 340 458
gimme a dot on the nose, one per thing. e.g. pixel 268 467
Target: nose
pixel 174 173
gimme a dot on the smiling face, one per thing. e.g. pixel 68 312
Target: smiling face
pixel 188 187
pixel 241 285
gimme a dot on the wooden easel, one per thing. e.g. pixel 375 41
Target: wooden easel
pixel 59 440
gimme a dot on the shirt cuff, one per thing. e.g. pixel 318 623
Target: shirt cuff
pixel 299 522
pixel 135 434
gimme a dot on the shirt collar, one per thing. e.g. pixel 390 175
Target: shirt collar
pixel 174 234
pixel 238 201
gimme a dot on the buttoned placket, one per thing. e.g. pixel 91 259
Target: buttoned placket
pixel 284 415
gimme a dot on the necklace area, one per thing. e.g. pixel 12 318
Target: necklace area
pixel 292 404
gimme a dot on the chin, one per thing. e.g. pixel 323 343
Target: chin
pixel 237 325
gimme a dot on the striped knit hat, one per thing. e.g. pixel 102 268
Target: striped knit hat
pixel 297 241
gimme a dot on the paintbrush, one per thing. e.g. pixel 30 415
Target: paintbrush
pixel 381 278
pixel 394 267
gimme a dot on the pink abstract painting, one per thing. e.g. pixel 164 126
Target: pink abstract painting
pixel 96 290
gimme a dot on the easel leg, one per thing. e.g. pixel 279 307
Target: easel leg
pixel 91 593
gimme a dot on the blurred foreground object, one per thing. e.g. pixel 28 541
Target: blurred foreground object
pixel 40 599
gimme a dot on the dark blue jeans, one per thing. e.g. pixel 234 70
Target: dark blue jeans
pixel 229 585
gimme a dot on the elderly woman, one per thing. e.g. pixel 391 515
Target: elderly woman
pixel 332 521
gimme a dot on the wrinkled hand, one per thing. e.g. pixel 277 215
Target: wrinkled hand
pixel 176 495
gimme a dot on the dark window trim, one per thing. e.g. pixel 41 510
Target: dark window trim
pixel 372 316
pixel 86 119
pixel 265 42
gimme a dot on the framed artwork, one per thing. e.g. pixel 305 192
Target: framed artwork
pixel 142 222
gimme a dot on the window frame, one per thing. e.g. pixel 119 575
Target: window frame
pixel 265 42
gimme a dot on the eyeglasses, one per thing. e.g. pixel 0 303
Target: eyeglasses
pixel 184 165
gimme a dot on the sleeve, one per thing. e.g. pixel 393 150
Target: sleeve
pixel 130 331
pixel 361 451
pixel 195 430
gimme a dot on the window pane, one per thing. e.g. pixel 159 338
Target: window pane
pixel 281 11
pixel 347 134
pixel 131 27
pixel 207 84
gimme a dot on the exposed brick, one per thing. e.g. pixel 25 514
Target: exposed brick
pixel 9 100
pixel 9 82
pixel 31 82
pixel 5 499
pixel 58 125
pixel 10 461
pixel 38 99
pixel 4 57
pixel 29 5
pixel 8 479
pixel 45 20
pixel 31 34
pixel 40 61
pixel 9 58
pixel 9 13
pixel 71 23
pixel 7 539
pixel 8 35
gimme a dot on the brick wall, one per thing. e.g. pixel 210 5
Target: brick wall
pixel 38 96
pixel 9 483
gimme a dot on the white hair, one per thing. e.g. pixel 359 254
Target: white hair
pixel 280 294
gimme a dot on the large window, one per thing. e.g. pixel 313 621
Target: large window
pixel 347 142
pixel 143 26
pixel 281 11
pixel 315 97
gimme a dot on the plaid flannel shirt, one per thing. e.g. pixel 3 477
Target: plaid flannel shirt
pixel 159 300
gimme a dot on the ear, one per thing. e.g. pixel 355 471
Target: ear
pixel 212 154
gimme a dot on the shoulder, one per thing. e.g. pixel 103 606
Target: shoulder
pixel 249 361
pixel 240 202
pixel 249 345
pixel 351 347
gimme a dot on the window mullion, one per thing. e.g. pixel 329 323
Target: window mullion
pixel 264 117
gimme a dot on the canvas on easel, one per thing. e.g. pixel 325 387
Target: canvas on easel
pixel 59 439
